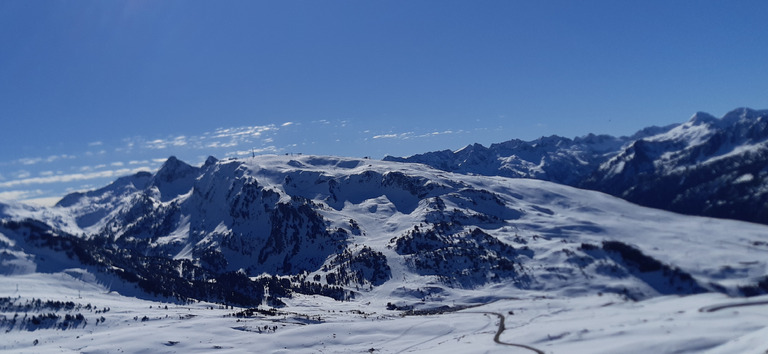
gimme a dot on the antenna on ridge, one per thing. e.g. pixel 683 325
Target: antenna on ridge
pixel 253 153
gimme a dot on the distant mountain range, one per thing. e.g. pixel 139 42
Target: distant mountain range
pixel 705 166
pixel 254 231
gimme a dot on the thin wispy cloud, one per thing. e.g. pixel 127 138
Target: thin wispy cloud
pixel 71 177
pixel 445 132
pixel 385 136
pixel 413 135
pixel 20 194
pixel 218 144
pixel 217 139
pixel 30 161
pixel 96 153
pixel 268 149
pixel 159 144
pixel 27 161
pixel 243 132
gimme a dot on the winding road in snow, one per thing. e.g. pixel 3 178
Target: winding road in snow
pixel 501 330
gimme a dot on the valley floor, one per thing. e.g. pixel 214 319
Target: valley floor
pixel 112 323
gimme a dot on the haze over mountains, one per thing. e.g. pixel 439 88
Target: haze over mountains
pixel 295 236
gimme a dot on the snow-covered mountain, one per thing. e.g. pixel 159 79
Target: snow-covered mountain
pixel 553 158
pixel 349 225
pixel 284 231
pixel 706 166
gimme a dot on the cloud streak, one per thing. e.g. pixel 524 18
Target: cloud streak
pixel 412 135
pixel 20 194
pixel 219 138
pixel 268 149
pixel 28 161
pixel 72 177
pixel 159 144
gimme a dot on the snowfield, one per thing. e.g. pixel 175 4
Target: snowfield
pixel 314 324
pixel 436 262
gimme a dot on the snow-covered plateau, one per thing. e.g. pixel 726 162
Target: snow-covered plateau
pixel 330 254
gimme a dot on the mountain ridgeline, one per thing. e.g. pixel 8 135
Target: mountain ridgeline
pixel 257 230
pixel 706 166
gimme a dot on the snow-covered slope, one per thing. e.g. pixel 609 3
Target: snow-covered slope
pixel 47 313
pixel 353 225
pixel 302 233
pixel 706 166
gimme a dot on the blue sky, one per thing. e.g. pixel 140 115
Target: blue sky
pixel 91 90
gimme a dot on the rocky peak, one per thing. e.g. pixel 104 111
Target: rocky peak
pixel 175 177
pixel 702 118
pixel 210 161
